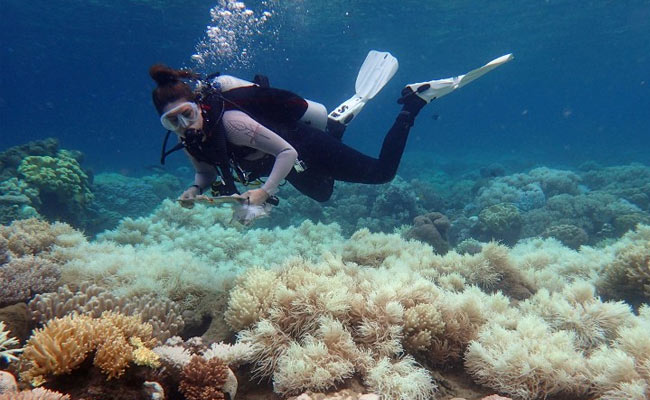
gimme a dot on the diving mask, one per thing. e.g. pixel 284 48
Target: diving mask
pixel 181 116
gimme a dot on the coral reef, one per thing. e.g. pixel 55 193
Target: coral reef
pixel 18 200
pixel 118 196
pixel 501 222
pixel 570 235
pixel 11 158
pixel 27 265
pixel 569 344
pixel 26 276
pixel 203 379
pixel 64 187
pixel 380 208
pixel 64 343
pixel 431 228
pixel 92 300
pixel 627 275
pixel 37 238
pixel 7 344
pixel 35 394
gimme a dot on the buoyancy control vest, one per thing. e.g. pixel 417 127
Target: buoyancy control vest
pixel 277 109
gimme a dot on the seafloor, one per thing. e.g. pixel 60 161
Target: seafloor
pixel 527 281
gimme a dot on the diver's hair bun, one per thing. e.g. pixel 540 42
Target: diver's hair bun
pixel 163 75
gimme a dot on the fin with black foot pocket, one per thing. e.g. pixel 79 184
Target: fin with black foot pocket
pixel 435 89
pixel 377 69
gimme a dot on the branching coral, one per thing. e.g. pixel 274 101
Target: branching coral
pixel 204 379
pixel 64 343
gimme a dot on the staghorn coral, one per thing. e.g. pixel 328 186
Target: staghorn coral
pixel 64 343
pixel 204 379
pixel 163 315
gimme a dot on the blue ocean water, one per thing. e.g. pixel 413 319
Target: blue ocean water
pixel 578 89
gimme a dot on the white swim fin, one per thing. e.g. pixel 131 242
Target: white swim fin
pixel 435 89
pixel 377 69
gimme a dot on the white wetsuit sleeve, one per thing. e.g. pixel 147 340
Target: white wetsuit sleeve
pixel 242 130
pixel 205 173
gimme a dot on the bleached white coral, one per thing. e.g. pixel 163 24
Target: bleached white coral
pixel 176 356
pixel 230 354
pixel 400 379
pixel 578 309
pixel 6 342
pixel 529 362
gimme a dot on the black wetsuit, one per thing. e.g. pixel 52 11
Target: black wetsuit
pixel 326 158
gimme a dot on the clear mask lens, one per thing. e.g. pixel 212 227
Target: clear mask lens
pixel 181 116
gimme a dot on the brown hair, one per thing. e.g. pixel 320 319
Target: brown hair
pixel 170 85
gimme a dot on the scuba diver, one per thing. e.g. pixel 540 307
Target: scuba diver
pixel 239 131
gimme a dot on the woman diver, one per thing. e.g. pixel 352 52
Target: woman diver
pixel 232 130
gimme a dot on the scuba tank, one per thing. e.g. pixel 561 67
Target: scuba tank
pixel 269 104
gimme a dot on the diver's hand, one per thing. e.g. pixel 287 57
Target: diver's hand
pixel 256 197
pixel 187 198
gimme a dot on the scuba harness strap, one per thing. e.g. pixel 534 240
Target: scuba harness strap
pixel 211 140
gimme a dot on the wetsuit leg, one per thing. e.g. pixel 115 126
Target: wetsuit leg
pixel 328 157
pixel 318 187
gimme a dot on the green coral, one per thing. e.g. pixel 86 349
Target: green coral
pixel 500 222
pixel 61 176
